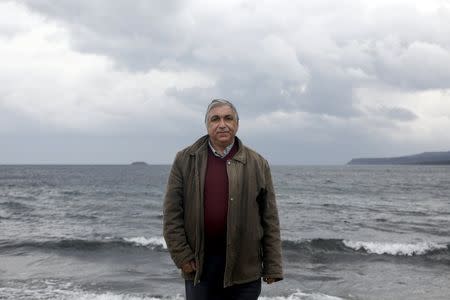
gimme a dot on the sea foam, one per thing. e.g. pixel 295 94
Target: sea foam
pixel 394 248
pixel 111 296
pixel 152 241
pixel 4 214
pixel 53 293
pixel 299 295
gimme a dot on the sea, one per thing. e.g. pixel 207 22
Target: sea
pixel 348 232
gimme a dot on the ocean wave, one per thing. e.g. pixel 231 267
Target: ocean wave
pixel 350 247
pixel 80 216
pixel 153 243
pixel 396 249
pixel 55 293
pixel 13 205
pixel 71 193
pixel 303 248
pixel 299 295
pixel 157 242
pixel 4 214
pixel 62 293
pixel 314 245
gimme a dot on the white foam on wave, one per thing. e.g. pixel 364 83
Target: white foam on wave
pixel 52 293
pixel 111 296
pixel 4 214
pixel 152 242
pixel 395 248
pixel 299 295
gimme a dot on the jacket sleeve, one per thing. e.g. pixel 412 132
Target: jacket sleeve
pixel 271 241
pixel 173 217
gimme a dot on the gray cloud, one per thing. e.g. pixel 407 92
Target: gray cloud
pixel 401 114
pixel 251 47
pixel 148 68
pixel 138 36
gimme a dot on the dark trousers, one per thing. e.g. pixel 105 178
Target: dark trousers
pixel 211 284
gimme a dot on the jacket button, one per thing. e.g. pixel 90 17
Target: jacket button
pixel 231 198
pixel 229 162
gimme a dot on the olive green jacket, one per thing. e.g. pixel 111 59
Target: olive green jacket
pixel 253 231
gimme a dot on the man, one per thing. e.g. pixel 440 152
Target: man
pixel 220 216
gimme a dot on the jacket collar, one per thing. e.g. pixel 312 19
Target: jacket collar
pixel 241 154
pixel 201 146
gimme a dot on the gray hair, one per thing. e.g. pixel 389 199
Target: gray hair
pixel 220 102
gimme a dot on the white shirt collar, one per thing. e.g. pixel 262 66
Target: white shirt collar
pixel 225 152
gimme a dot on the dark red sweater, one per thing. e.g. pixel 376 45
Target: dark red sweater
pixel 216 202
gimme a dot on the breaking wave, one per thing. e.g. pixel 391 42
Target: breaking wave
pixel 153 243
pixel 396 249
pixel 53 293
pixel 299 295
pixel 350 247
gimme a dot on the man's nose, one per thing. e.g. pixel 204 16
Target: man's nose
pixel 222 123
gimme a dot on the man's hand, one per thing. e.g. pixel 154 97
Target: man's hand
pixel 269 280
pixel 189 267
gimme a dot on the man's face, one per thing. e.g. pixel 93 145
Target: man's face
pixel 222 125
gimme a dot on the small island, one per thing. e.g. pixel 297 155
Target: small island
pixel 139 163
pixel 425 158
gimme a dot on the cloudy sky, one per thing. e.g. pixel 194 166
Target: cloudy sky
pixel 315 82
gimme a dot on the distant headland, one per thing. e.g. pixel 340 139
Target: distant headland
pixel 139 163
pixel 426 158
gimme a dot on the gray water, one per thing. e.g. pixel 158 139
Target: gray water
pixel 349 232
